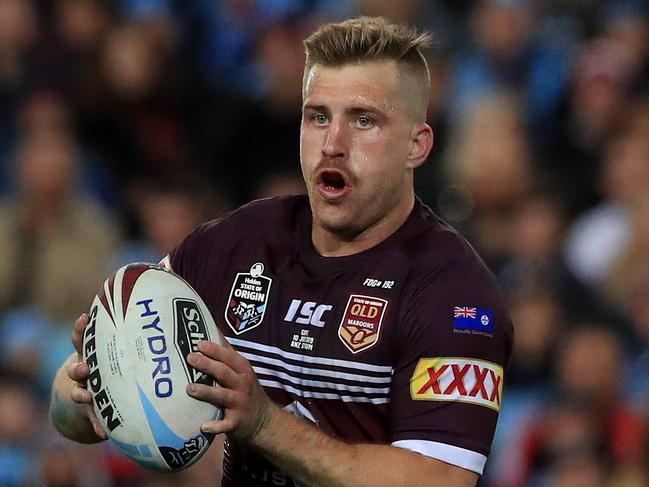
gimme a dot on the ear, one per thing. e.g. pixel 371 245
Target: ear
pixel 421 142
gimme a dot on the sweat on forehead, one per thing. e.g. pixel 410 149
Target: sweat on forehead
pixel 400 88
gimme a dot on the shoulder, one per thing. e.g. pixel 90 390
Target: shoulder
pixel 438 251
pixel 264 215
pixel 271 220
pixel 448 274
pixel 277 206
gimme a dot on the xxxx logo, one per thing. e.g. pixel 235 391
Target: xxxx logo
pixel 458 380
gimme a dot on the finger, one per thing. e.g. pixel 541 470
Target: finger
pixel 96 425
pixel 218 396
pixel 220 371
pixel 225 354
pixel 211 349
pixel 217 427
pixel 78 330
pixel 78 371
pixel 81 395
pixel 99 431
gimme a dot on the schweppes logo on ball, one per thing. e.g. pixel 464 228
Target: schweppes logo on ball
pixel 247 304
pixel 189 329
pixel 361 324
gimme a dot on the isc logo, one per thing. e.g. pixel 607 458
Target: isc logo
pixel 458 380
pixel 307 312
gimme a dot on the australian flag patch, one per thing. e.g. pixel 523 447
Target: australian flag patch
pixel 473 320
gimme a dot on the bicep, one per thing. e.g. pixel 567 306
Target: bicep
pixel 447 386
pixel 449 475
pixel 422 469
pixel 396 467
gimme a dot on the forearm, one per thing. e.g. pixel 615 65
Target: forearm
pixel 69 417
pixel 314 458
pixel 294 446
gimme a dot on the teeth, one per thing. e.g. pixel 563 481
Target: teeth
pixel 332 182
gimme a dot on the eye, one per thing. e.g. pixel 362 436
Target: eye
pixel 364 122
pixel 320 119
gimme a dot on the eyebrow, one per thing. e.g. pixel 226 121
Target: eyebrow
pixel 315 108
pixel 365 109
pixel 354 110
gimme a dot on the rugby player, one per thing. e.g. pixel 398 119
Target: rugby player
pixel 367 340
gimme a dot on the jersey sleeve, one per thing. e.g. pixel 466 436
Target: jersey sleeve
pixel 182 259
pixel 454 344
pixel 189 258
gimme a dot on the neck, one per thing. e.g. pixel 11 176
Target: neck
pixel 332 243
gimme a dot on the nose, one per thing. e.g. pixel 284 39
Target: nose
pixel 335 145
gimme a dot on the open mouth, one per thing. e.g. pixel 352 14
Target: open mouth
pixel 333 180
pixel 332 184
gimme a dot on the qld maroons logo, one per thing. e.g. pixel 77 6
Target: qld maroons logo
pixel 360 327
pixel 248 298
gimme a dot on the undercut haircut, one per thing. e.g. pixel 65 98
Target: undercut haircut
pixel 369 39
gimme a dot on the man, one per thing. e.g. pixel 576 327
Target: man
pixel 367 339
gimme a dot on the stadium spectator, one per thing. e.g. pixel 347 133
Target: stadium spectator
pixel 638 376
pixel 20 422
pixel 540 322
pixel 18 33
pixel 600 235
pixel 45 226
pixel 534 260
pixel 278 110
pixel 489 164
pixel 134 109
pixel 633 261
pixel 588 413
pixel 164 209
pixel 597 100
pixel 507 51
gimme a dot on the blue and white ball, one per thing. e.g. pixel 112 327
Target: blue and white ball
pixel 143 323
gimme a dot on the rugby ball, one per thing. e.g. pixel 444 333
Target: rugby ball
pixel 143 323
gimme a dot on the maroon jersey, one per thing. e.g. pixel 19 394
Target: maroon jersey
pixel 402 344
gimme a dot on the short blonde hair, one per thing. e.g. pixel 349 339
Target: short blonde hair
pixel 369 39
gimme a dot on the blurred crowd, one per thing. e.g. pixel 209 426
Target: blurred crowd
pixel 125 123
